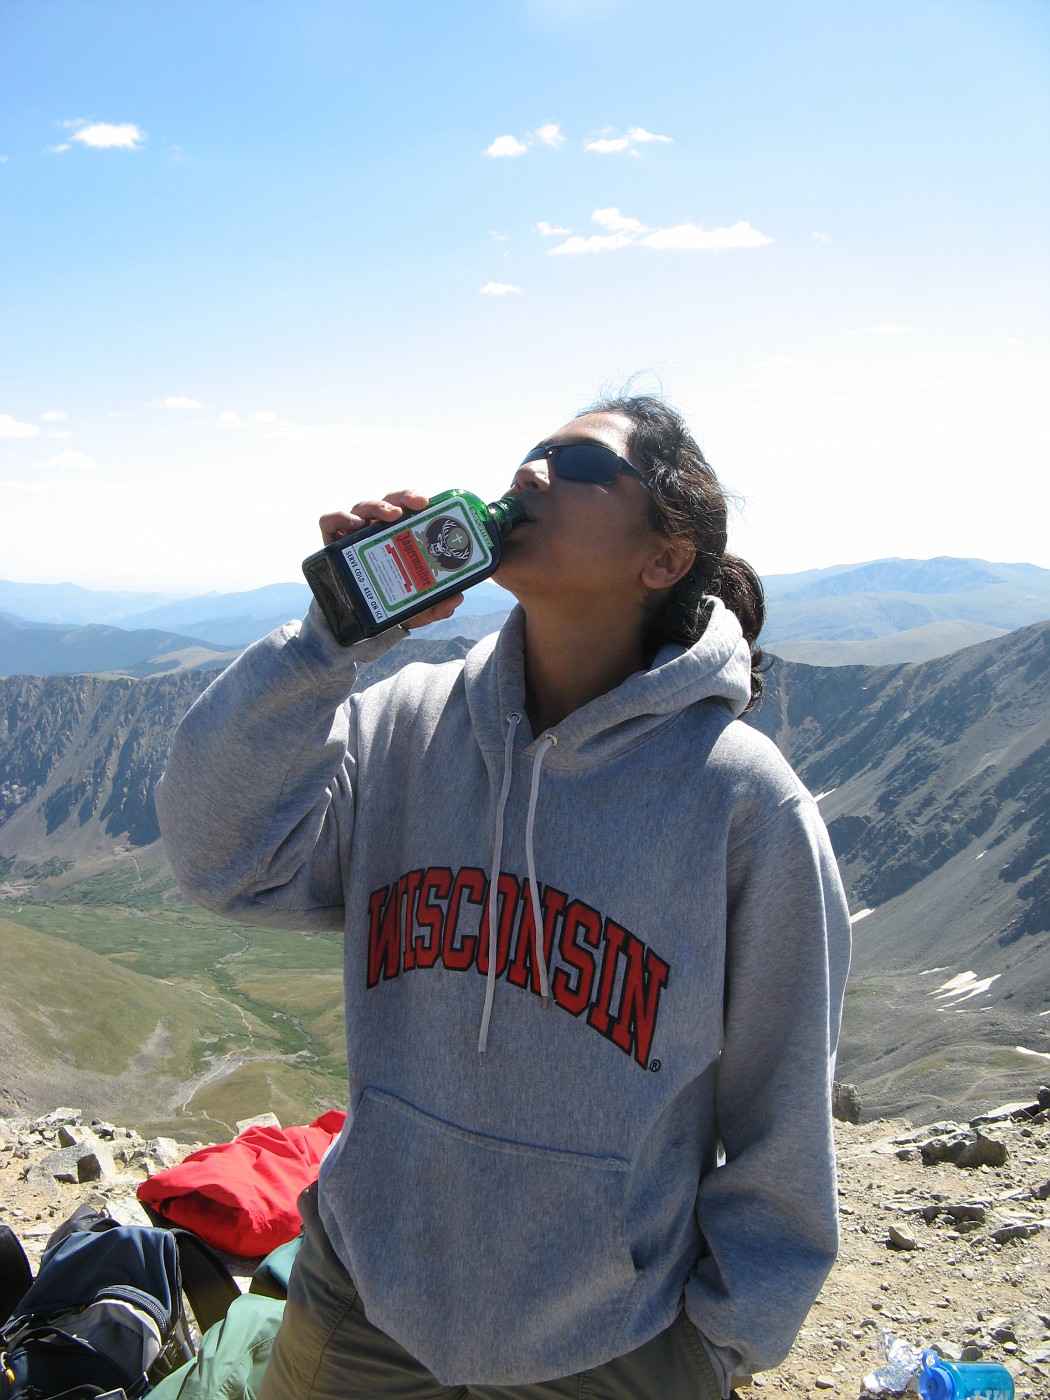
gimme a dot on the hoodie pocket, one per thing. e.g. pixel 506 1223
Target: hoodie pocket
pixel 492 1261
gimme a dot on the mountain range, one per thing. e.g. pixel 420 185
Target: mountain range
pixel 883 612
pixel 934 780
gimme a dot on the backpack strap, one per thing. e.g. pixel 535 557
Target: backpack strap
pixel 206 1281
pixel 15 1272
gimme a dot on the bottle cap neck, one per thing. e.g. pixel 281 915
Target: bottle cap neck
pixel 507 513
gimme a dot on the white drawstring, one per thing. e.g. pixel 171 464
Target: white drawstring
pixel 537 918
pixel 546 744
pixel 497 857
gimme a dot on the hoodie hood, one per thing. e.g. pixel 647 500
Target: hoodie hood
pixel 717 667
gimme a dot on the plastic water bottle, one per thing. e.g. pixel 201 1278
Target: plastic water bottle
pixel 963 1380
pixel 384 574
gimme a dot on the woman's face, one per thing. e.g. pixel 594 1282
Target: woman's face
pixel 584 538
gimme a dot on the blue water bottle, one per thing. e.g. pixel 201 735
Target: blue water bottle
pixel 963 1380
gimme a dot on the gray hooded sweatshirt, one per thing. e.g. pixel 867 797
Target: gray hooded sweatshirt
pixel 594 1088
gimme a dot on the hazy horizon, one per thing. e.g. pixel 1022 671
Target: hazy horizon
pixel 487 586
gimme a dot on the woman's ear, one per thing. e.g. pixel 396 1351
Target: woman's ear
pixel 670 561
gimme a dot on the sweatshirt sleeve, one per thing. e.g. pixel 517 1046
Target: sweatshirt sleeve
pixel 769 1214
pixel 256 805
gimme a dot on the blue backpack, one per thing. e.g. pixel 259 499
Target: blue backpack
pixel 105 1314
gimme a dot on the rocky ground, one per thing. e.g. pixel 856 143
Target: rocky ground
pixel 945 1237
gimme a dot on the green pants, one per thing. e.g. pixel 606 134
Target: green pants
pixel 328 1350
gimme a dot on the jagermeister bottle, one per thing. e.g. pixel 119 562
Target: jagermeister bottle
pixel 384 574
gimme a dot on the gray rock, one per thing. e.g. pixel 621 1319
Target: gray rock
pixel 64 1164
pixel 965 1150
pixel 973 1211
pixel 54 1118
pixel 164 1150
pixel 43 1181
pixel 845 1103
pixel 92 1166
pixel 128 1211
pixel 1017 1231
pixel 261 1120
pixel 1007 1112
pixel 73 1135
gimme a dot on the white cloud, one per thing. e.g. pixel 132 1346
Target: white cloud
pixel 266 417
pixel 229 417
pixel 550 230
pixel 59 149
pixel 819 237
pixel 109 135
pixel 53 416
pixel 597 243
pixel 547 135
pixel 624 231
pixel 59 433
pixel 67 461
pixel 506 146
pixel 692 237
pixel 176 402
pixel 607 146
pixel 616 222
pixel 639 135
pixel 12 428
pixel 884 328
pixel 498 289
pixel 616 145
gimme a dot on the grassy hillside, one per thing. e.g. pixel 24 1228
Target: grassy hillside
pixel 159 1015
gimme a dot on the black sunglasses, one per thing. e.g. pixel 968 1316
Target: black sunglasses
pixel 586 461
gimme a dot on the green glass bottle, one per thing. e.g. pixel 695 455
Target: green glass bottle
pixel 384 574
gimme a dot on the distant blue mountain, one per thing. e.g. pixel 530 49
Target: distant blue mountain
pixel 55 649
pixel 69 604
pixel 941 575
pixel 854 602
pixel 830 609
pixel 224 619
pixel 283 599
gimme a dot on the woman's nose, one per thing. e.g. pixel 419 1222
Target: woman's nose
pixel 532 476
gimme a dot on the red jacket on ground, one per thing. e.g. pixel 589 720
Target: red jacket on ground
pixel 241 1196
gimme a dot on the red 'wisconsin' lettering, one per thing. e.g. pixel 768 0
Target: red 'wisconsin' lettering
pixel 599 970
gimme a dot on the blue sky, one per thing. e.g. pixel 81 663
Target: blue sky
pixel 262 258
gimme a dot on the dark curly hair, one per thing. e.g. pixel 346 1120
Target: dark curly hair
pixel 688 502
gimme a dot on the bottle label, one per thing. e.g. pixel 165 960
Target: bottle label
pixel 441 545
